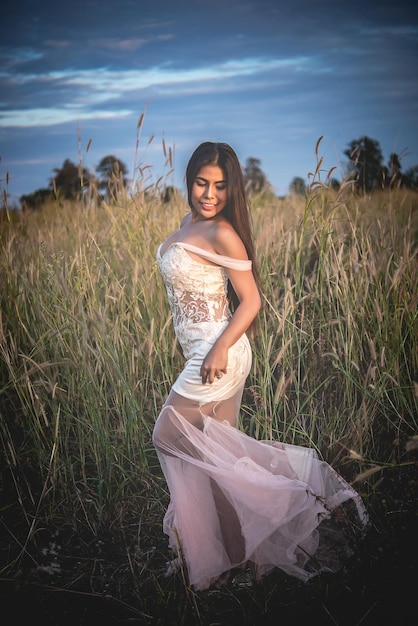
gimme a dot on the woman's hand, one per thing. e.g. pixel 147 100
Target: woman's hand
pixel 214 364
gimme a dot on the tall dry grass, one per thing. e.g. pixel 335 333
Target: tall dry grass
pixel 336 362
pixel 88 353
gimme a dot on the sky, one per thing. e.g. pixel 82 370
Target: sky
pixel 268 77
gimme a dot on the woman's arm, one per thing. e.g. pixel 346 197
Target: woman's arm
pixel 215 362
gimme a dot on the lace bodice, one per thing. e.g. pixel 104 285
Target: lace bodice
pixel 197 292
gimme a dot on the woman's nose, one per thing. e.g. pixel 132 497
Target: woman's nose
pixel 209 191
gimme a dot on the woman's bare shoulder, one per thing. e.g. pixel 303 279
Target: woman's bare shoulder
pixel 227 241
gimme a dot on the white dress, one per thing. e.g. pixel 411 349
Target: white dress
pixel 235 500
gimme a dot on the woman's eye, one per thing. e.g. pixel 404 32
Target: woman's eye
pixel 202 183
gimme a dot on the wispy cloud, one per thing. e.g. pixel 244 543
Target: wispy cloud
pixel 88 88
pixel 52 116
pixel 126 45
pixel 10 59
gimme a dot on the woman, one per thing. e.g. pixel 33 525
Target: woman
pixel 234 500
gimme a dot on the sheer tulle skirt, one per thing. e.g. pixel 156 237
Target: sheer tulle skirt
pixel 236 501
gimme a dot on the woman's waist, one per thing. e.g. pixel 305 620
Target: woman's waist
pixel 200 339
pixel 197 331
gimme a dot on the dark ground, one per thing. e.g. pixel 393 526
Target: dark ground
pixel 78 581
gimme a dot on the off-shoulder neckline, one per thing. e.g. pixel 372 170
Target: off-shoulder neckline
pixel 187 246
pixel 217 259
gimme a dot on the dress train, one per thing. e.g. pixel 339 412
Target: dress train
pixel 236 500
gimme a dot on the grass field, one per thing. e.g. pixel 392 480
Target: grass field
pixel 87 357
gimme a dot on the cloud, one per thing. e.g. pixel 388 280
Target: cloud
pixel 83 89
pixel 125 45
pixel 52 116
pixel 10 58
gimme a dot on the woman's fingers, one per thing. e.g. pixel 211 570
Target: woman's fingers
pixel 209 375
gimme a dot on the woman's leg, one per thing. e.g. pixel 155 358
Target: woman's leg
pixel 171 440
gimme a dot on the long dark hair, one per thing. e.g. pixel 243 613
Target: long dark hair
pixel 236 210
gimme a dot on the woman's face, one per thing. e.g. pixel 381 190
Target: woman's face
pixel 209 192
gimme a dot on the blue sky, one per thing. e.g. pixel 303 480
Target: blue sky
pixel 268 77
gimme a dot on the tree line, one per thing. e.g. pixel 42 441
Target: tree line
pixel 365 167
pixel 70 182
